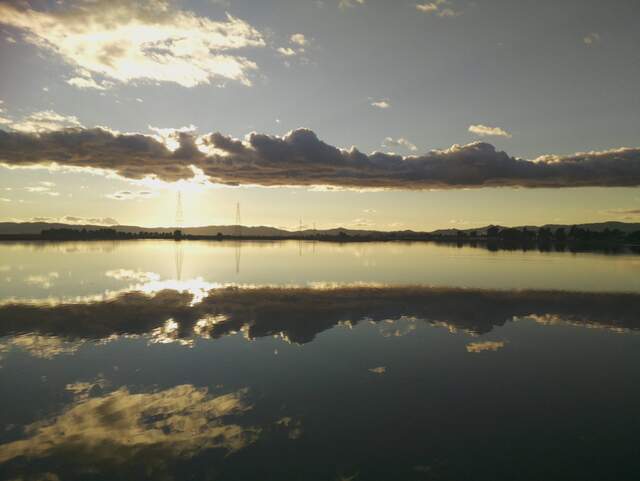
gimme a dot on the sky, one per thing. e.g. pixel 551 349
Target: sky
pixel 376 114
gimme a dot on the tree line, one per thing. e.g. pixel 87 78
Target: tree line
pixel 560 235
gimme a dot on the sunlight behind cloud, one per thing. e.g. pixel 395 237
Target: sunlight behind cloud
pixel 149 40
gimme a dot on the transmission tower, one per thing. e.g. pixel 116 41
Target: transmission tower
pixel 315 236
pixel 179 213
pixel 178 252
pixel 237 228
pixel 237 232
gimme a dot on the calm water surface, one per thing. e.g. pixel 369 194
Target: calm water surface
pixel 313 361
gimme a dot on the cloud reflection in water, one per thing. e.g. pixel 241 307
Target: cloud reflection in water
pixel 124 429
pixel 298 314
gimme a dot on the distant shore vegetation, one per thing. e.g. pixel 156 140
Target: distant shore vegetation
pixel 493 236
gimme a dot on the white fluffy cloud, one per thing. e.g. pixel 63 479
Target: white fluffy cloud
pixel 130 195
pixel 287 51
pixel 72 219
pixel 486 131
pixel 350 3
pixel 381 104
pixel 87 82
pixel 390 142
pixel 45 281
pixel 441 8
pixel 147 40
pixel 298 42
pixel 591 38
pixel 298 39
pixel 44 188
pixel 45 121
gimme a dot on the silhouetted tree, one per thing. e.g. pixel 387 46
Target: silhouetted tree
pixel 493 231
pixel 544 234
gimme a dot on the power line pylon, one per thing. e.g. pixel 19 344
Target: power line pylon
pixel 179 212
pixel 237 233
pixel 237 228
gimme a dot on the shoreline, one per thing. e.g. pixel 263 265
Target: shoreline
pixel 482 242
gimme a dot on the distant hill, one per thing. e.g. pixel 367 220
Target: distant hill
pixel 30 228
pixel 14 228
pixel 626 227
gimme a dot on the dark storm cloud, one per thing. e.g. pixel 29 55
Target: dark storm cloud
pixel 301 159
pixel 129 155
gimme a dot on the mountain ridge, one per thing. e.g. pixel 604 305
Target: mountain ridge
pixel 31 228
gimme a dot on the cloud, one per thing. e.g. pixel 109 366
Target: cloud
pixel 3 120
pixel 44 281
pixel 591 38
pixel 89 83
pixel 72 219
pixel 43 188
pixel 130 195
pixel 298 42
pixel 389 142
pixel 132 156
pixel 484 131
pixel 299 314
pixel 381 104
pixel 286 51
pixel 427 7
pixel 45 121
pixel 125 41
pixel 440 8
pixel 170 137
pixel 299 158
pixel 107 221
pixel 132 276
pixel 378 370
pixel 362 223
pixel 626 214
pixel 43 347
pixel 626 211
pixel 148 430
pixel 485 346
pixel 82 389
pixel 350 3
pixel 298 39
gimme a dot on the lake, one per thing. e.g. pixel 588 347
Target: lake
pixel 317 361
